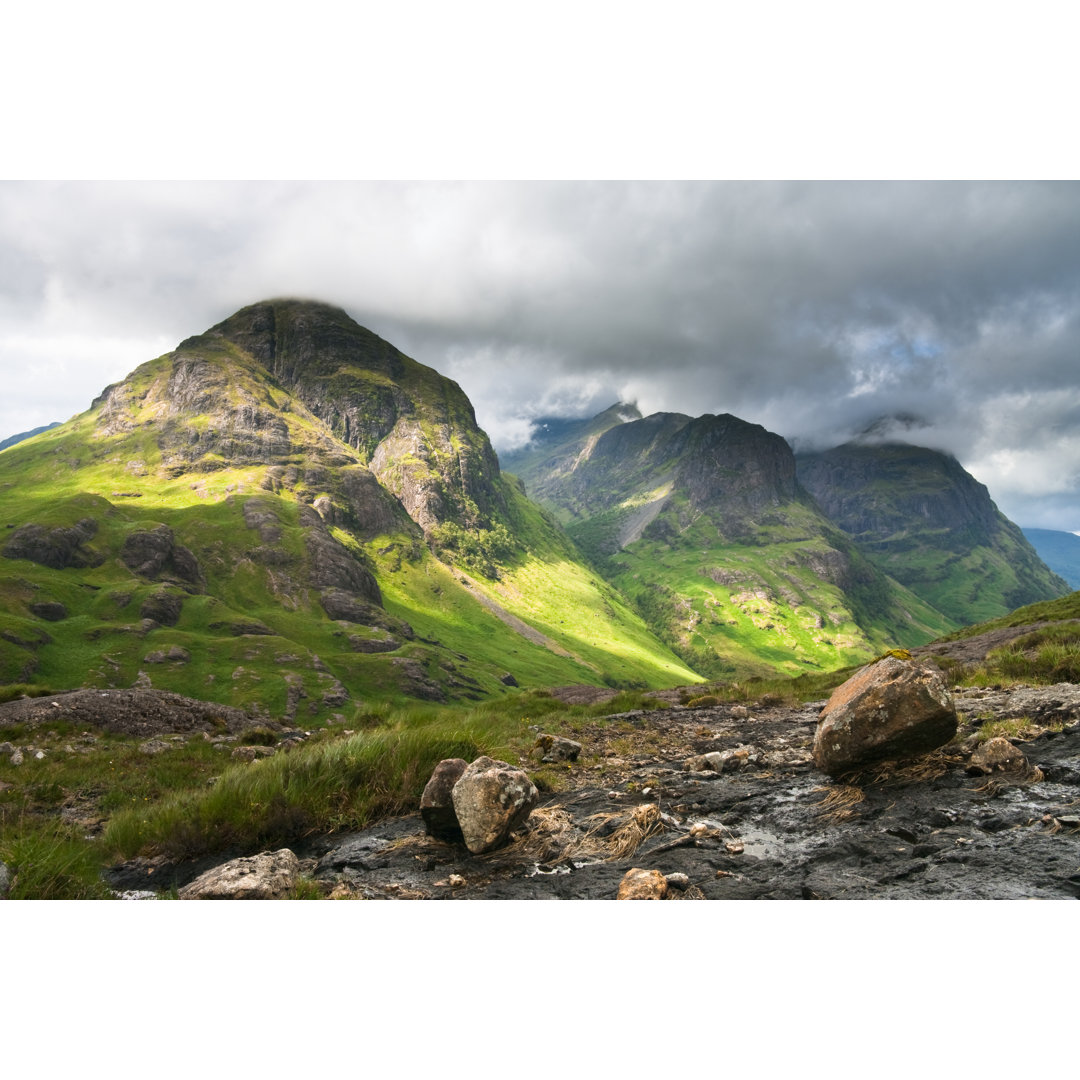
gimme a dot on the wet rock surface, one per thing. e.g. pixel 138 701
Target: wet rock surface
pixel 775 829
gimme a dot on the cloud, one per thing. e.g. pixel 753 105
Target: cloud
pixel 815 309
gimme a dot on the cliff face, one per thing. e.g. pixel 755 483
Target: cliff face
pixel 931 525
pixel 413 427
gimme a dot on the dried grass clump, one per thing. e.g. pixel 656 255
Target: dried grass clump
pixel 839 803
pixel 642 823
pixel 551 837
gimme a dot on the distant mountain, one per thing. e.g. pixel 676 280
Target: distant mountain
pixel 929 524
pixel 11 440
pixel 703 523
pixel 287 514
pixel 1059 550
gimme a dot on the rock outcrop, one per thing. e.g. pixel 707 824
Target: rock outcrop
pixel 57 548
pixel 156 555
pixel 893 708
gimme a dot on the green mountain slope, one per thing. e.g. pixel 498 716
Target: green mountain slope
pixel 286 513
pixel 1059 550
pixel 930 525
pixel 703 524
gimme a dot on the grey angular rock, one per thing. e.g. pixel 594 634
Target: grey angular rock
pixel 437 802
pixel 892 708
pixel 5 880
pixel 491 799
pixel 270 875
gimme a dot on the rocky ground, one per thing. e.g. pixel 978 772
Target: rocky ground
pixel 769 826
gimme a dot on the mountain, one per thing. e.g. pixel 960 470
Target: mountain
pixel 929 524
pixel 703 523
pixel 288 514
pixel 11 440
pixel 1059 550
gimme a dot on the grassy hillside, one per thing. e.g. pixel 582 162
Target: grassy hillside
pixel 1059 550
pixel 294 584
pixel 930 525
pixel 787 600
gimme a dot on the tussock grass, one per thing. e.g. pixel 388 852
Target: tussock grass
pixel 318 788
pixel 643 822
pixel 53 865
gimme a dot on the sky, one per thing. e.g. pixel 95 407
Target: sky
pixel 945 313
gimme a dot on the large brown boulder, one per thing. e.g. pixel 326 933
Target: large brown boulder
pixel 492 799
pixel 890 709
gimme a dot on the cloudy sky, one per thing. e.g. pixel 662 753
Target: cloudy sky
pixel 815 309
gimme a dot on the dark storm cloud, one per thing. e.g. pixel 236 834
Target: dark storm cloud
pixel 813 308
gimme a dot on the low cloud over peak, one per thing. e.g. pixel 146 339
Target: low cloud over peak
pixel 816 309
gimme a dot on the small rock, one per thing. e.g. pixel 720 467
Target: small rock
pixel 491 799
pixel 678 881
pixel 154 746
pixel 740 712
pixel 270 875
pixel 456 881
pixel 39 755
pixel 557 748
pixel 437 802
pixel 17 758
pixel 734 847
pixel 250 753
pixel 698 763
pixel 997 755
pixel 5 880
pixel 638 884
pixel 508 680
pixel 7 748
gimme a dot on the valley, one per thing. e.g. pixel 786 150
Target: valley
pixel 295 544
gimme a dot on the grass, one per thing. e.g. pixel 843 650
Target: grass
pixel 53 864
pixel 326 787
pixel 1048 655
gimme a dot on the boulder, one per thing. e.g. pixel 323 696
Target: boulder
pixel 638 884
pixel 437 802
pixel 492 799
pixel 270 875
pixel 997 755
pixel 892 708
